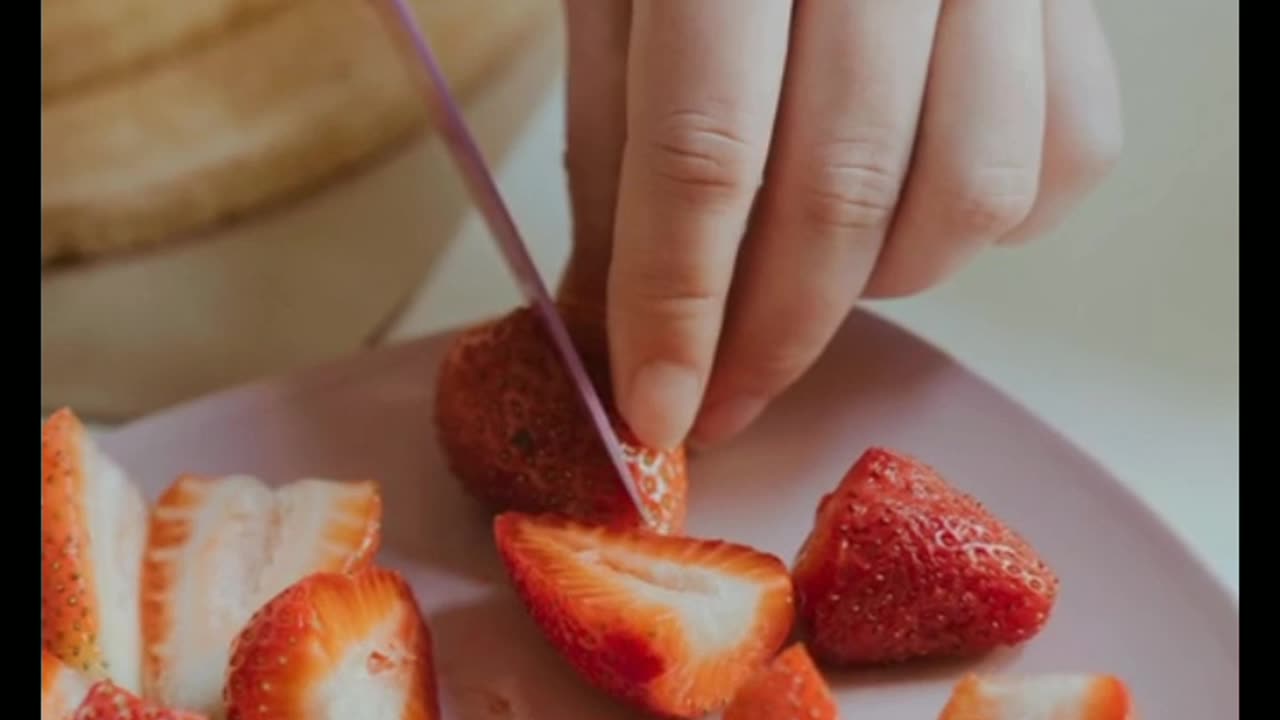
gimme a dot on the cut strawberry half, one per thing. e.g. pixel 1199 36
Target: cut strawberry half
pixel 220 548
pixel 1040 697
pixel 517 437
pixel 335 646
pixel 62 688
pixel 788 688
pixel 901 565
pixel 673 625
pixel 93 524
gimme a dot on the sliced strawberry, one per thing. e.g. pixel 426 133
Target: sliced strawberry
pixel 335 646
pixel 220 548
pixel 901 565
pixel 93 523
pixel 62 688
pixel 789 688
pixel 673 625
pixel 108 701
pixel 518 438
pixel 1040 697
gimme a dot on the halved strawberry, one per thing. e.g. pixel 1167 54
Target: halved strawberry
pixel 62 688
pixel 108 701
pixel 220 548
pixel 901 565
pixel 1040 697
pixel 93 523
pixel 788 688
pixel 673 625
pixel 335 646
pixel 518 438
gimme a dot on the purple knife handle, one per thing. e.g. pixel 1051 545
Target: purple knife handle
pixel 484 191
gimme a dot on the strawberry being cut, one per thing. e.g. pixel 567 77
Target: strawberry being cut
pixel 788 688
pixel 62 688
pixel 93 525
pixel 335 647
pixel 518 438
pixel 1040 697
pixel 217 549
pixel 900 565
pixel 672 625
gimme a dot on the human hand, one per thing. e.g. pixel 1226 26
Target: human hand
pixel 743 171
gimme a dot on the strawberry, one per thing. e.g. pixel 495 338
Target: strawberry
pixel 1040 697
pixel 900 565
pixel 672 625
pixel 108 701
pixel 335 646
pixel 518 438
pixel 789 688
pixel 93 522
pixel 62 689
pixel 217 549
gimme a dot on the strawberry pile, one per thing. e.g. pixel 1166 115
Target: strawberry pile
pixel 516 436
pixel 230 599
pixel 225 599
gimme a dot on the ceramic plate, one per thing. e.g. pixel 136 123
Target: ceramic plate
pixel 1134 601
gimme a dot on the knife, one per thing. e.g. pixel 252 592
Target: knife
pixel 484 192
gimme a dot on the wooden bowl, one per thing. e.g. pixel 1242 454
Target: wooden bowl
pixel 264 200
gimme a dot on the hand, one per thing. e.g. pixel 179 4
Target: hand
pixel 743 171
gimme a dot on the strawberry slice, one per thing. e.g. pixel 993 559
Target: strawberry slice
pixel 900 565
pixel 789 688
pixel 335 646
pixel 70 695
pixel 62 689
pixel 93 524
pixel 1040 697
pixel 220 548
pixel 517 437
pixel 673 625
pixel 108 701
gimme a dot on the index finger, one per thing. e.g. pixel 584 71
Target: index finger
pixel 703 83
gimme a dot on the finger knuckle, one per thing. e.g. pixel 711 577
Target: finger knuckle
pixel 666 291
pixel 776 364
pixel 703 157
pixel 852 184
pixel 992 200
pixel 793 337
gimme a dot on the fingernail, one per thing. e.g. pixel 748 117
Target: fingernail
pixel 663 399
pixel 727 417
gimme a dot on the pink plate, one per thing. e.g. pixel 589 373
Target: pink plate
pixel 1134 601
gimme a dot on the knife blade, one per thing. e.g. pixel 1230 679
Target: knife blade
pixel 488 199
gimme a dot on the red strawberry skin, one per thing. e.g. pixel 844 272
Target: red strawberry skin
pixel 107 701
pixel 789 688
pixel 671 625
pixel 517 437
pixel 900 565
pixel 335 645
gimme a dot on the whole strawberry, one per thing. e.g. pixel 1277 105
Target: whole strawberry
pixel 900 565
pixel 517 437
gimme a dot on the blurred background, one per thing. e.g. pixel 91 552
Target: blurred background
pixel 232 189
